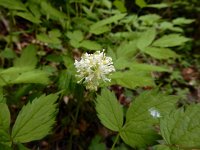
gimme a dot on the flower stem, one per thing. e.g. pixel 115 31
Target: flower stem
pixel 115 142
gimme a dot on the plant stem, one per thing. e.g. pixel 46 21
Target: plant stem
pixel 115 142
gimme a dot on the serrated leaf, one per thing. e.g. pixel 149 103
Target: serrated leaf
pixel 107 21
pixel 138 130
pixel 109 110
pixel 132 79
pixel 138 134
pixel 146 38
pixel 160 52
pixel 182 128
pixel 28 58
pixel 91 45
pixel 170 40
pixel 35 120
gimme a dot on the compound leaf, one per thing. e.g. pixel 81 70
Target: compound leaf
pixel 182 128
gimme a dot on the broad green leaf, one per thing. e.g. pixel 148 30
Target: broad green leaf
pixel 15 70
pixel 90 45
pixel 127 50
pixel 138 134
pixel 4 124
pixel 159 52
pixel 147 67
pixel 170 40
pixel 146 38
pixel 182 21
pixel 109 110
pixel 139 110
pixel 100 30
pixel 28 16
pixel 120 5
pixel 75 35
pixel 132 79
pixel 107 21
pixel 141 3
pixel 182 128
pixel 4 116
pixel 34 76
pixel 35 120
pixel 138 130
pixel 28 58
pixel 150 19
pixel 13 4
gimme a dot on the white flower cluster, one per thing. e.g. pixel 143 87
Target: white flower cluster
pixel 93 68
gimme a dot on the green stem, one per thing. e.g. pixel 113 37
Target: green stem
pixel 115 142
pixel 74 125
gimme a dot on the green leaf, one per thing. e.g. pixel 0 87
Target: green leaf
pixel 158 6
pixel 138 134
pixel 132 79
pixel 28 16
pixel 52 12
pixel 106 21
pixel 147 67
pixel 146 38
pixel 120 5
pixel 182 128
pixel 90 45
pixel 96 144
pixel 4 124
pixel 127 50
pixel 162 147
pixel 159 52
pixel 5 147
pixel 139 110
pixel 35 120
pixel 75 35
pixel 141 3
pixel 4 116
pixel 100 30
pixel 13 4
pixel 33 76
pixel 28 58
pixel 138 130
pixel 182 21
pixel 109 110
pixel 170 40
